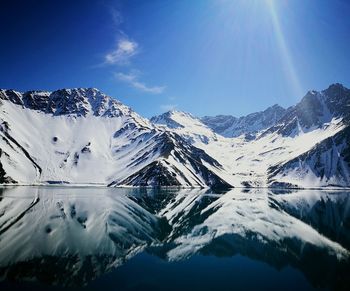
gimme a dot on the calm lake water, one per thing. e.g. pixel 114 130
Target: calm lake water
pixel 54 238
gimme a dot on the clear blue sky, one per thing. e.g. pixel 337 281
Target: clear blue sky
pixel 206 57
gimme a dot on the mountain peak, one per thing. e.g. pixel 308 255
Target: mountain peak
pixel 230 126
pixel 167 119
pixel 68 101
pixel 176 112
pixel 176 119
pixel 276 108
pixel 336 86
pixel 336 90
pixel 80 90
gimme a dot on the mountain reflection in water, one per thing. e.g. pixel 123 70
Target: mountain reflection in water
pixel 61 237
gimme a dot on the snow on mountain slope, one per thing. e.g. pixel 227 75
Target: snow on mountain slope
pixel 82 136
pixel 327 161
pixel 186 125
pixel 250 125
pixel 307 147
pixel 325 164
pixel 247 163
pixel 314 111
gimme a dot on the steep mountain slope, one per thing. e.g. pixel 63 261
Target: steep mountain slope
pixel 327 162
pixel 315 110
pixel 307 147
pixel 185 124
pixel 83 136
pixel 230 126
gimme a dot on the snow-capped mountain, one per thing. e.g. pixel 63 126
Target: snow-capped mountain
pixel 315 110
pixel 328 159
pixel 82 136
pixel 230 126
pixel 306 145
pixel 185 124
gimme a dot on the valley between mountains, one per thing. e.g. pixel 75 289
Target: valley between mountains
pixel 84 137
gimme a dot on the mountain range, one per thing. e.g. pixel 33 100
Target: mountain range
pixel 82 136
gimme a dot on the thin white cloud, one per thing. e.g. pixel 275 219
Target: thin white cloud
pixel 168 107
pixel 123 52
pixel 132 80
pixel 117 17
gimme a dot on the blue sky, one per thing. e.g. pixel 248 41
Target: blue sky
pixel 202 56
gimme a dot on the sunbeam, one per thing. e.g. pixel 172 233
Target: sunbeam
pixel 287 59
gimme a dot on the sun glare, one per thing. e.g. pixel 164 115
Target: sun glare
pixel 284 50
pixel 259 21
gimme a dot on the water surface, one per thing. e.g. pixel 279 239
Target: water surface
pixel 54 238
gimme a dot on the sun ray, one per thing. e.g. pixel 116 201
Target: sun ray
pixel 291 72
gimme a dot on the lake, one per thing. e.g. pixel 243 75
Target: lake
pixel 76 238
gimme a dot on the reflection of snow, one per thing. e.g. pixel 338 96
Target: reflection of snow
pixel 244 214
pixel 109 226
pixel 71 221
